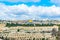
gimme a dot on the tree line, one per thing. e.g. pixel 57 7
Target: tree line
pixel 14 25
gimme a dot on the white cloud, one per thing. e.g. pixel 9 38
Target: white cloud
pixel 56 2
pixel 20 0
pixel 20 12
pixel 41 10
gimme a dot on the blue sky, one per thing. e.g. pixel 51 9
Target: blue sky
pixel 29 3
pixel 29 9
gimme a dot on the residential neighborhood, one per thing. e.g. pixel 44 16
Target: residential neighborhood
pixel 35 30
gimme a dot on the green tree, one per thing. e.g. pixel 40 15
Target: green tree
pixel 18 30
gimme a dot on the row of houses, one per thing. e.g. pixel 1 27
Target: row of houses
pixel 29 33
pixel 31 21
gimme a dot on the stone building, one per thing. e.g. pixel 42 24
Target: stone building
pixel 31 33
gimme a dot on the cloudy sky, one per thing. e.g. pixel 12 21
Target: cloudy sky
pixel 29 9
